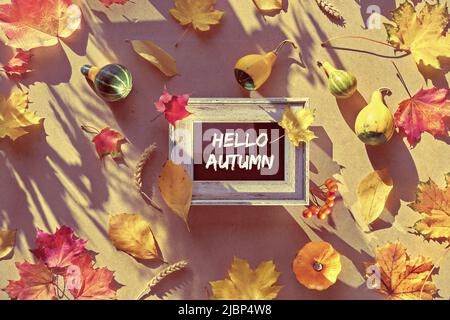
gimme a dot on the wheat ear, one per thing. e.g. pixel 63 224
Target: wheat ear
pixel 138 174
pixel 330 10
pixel 161 276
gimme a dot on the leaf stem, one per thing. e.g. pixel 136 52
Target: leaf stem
pixel 89 129
pixel 402 80
pixel 325 43
pixel 185 32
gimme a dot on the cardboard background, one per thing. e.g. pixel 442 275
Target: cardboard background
pixel 54 177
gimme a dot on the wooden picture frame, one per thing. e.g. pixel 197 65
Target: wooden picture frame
pixel 292 190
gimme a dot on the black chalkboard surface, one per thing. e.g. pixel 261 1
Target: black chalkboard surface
pixel 227 151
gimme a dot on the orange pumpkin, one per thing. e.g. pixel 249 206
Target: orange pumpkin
pixel 317 265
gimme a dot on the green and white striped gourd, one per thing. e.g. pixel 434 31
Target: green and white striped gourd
pixel 341 84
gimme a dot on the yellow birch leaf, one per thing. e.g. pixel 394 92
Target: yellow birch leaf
pixel 156 56
pixel 7 242
pixel 14 115
pixel 403 278
pixel 132 234
pixel 296 124
pixel 175 186
pixel 269 5
pixel 373 192
pixel 243 283
pixel 200 13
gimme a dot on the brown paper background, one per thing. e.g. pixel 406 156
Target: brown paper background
pixel 53 176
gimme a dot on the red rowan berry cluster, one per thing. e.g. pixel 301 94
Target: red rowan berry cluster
pixel 325 193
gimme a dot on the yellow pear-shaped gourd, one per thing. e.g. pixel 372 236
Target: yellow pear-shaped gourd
pixel 341 83
pixel 253 70
pixel 375 123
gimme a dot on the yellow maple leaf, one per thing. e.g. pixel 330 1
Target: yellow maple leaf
pixel 297 123
pixel 132 234
pixel 247 284
pixel 423 33
pixel 373 192
pixel 403 278
pixel 175 186
pixel 200 13
pixel 7 242
pixel 14 115
pixel 434 203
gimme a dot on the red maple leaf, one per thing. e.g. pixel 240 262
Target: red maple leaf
pixel 85 282
pixel 174 107
pixel 19 64
pixel 35 283
pixel 426 111
pixel 108 3
pixel 57 250
pixel 108 142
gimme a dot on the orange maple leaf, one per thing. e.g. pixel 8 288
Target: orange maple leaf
pixel 403 278
pixel 28 24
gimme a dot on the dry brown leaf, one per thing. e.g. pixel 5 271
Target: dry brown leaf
pixel 373 192
pixel 434 204
pixel 247 284
pixel 175 186
pixel 7 242
pixel 156 56
pixel 403 278
pixel 132 234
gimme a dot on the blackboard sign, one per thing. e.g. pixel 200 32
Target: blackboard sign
pixel 236 153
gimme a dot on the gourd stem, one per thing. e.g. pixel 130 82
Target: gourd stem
pixel 363 38
pixel 282 44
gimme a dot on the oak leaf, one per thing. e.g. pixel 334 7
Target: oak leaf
pixel 174 107
pixel 35 283
pixel 7 242
pixel 297 123
pixel 88 282
pixel 108 3
pixel 269 5
pixel 423 33
pixel 132 234
pixel 200 13
pixel 403 278
pixel 243 283
pixel 19 64
pixel 175 186
pixel 427 111
pixel 434 204
pixel 15 117
pixel 28 24
pixel 156 56
pixel 373 192
pixel 108 142
pixel 57 250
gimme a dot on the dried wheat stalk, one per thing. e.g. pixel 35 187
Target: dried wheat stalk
pixel 330 10
pixel 161 276
pixel 138 174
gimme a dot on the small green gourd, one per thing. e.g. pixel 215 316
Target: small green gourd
pixel 341 83
pixel 113 82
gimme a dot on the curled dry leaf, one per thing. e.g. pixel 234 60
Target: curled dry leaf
pixel 427 111
pixel 423 33
pixel 199 13
pixel 296 124
pixel 7 242
pixel 402 278
pixel 373 192
pixel 132 234
pixel 15 117
pixel 19 64
pixel 175 186
pixel 108 3
pixel 244 283
pixel 108 142
pixel 434 205
pixel 51 20
pixel 156 56
pixel 269 5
